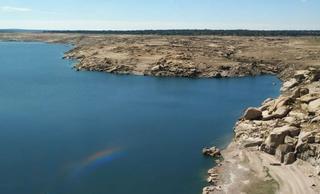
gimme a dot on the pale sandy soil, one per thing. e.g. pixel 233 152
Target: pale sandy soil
pixel 250 171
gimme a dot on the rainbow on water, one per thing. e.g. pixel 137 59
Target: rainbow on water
pixel 96 160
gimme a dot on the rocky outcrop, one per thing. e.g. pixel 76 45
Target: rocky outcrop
pixel 283 151
pixel 289 84
pixel 171 68
pixel 314 106
pixel 213 152
pixel 277 138
pixel 252 114
pixel 252 142
pixel 288 126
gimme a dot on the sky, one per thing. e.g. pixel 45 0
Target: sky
pixel 160 14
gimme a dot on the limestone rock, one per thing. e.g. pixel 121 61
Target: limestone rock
pixel 309 97
pixel 252 114
pixel 300 92
pixel 301 74
pixel 277 137
pixel 289 84
pixel 298 115
pixel 280 102
pixel 318 170
pixel 267 104
pixel 317 139
pixel 290 120
pixel 211 179
pixel 280 113
pixel 213 152
pixel 307 137
pixel 290 140
pixel 212 171
pixel 155 68
pixel 282 150
pixel 208 189
pixel 267 101
pixel 304 107
pixel 315 74
pixel 316 119
pixel 314 106
pixel 307 149
pixel 252 142
pixel 289 158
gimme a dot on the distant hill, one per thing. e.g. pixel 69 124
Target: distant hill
pixel 200 32
pixel 19 31
pixel 186 32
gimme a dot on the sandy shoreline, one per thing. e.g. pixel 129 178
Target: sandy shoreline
pixel 246 167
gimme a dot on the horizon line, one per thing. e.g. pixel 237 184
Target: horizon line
pixel 164 29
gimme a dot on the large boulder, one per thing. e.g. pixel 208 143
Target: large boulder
pixel 213 152
pixel 318 170
pixel 267 104
pixel 316 120
pixel 299 115
pixel 309 97
pixel 282 150
pixel 277 137
pixel 301 75
pixel 252 114
pixel 280 113
pixel 309 137
pixel 252 142
pixel 314 106
pixel 300 92
pixel 315 74
pixel 306 140
pixel 289 84
pixel 289 158
pixel 280 102
pixel 309 153
pixel 209 189
pixel 291 140
pixel 290 120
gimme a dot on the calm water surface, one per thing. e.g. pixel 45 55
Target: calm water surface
pixel 67 132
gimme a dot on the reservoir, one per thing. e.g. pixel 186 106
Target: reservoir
pixel 68 132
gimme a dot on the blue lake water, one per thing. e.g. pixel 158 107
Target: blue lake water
pixel 68 132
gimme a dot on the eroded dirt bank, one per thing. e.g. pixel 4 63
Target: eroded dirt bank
pixel 276 147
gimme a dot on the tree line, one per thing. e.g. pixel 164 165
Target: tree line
pixel 187 32
pixel 198 32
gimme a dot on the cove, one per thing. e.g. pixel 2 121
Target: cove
pixel 68 132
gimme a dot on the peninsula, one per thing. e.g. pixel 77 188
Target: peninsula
pixel 276 147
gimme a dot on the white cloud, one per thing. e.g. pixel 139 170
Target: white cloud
pixel 11 9
pixel 14 9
